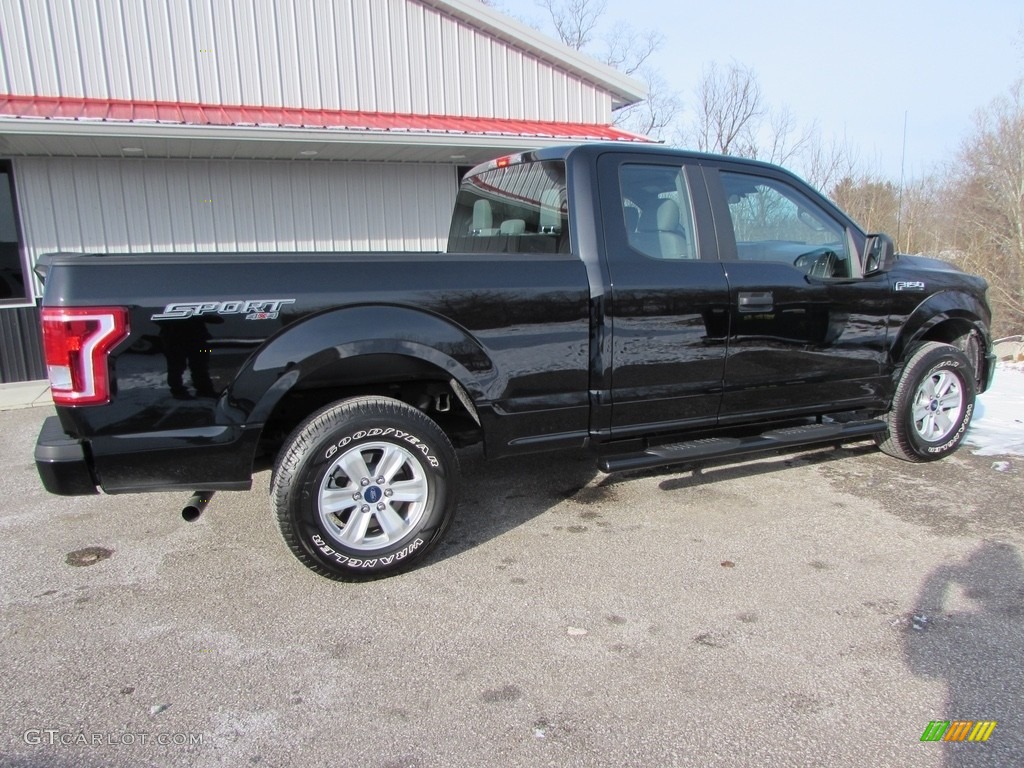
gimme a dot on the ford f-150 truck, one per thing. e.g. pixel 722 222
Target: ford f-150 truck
pixel 654 306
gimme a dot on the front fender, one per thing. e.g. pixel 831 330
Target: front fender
pixel 960 310
pixel 302 351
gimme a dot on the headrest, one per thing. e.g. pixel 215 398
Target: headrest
pixel 483 218
pixel 513 227
pixel 668 215
pixel 551 211
pixel 632 216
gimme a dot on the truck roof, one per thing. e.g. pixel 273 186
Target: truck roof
pixel 593 149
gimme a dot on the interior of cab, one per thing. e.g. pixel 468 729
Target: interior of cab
pixel 521 208
pixel 774 222
pixel 656 211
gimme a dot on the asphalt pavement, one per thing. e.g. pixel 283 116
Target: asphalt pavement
pixel 819 609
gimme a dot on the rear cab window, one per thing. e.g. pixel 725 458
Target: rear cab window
pixel 512 207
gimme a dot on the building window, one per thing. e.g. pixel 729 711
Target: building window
pixel 15 285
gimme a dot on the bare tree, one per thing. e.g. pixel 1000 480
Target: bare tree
pixel 574 20
pixel 627 50
pixel 729 110
pixel 914 215
pixel 730 114
pixel 824 162
pixel 656 114
pixel 871 200
pixel 985 200
pixel 732 117
pixel 783 141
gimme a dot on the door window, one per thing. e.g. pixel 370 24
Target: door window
pixel 774 222
pixel 656 211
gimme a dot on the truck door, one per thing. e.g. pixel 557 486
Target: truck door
pixel 806 330
pixel 668 304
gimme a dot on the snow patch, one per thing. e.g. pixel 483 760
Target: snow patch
pixel 997 428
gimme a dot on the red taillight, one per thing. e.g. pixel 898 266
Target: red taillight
pixel 76 342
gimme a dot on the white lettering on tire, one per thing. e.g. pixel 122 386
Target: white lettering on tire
pixel 959 433
pixel 412 440
pixel 356 562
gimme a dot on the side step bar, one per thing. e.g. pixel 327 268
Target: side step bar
pixel 725 447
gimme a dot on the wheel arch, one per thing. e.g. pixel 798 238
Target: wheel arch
pixel 358 351
pixel 951 317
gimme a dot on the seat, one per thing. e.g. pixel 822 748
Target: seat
pixel 659 233
pixel 513 227
pixel 550 212
pixel 483 219
pixel 671 236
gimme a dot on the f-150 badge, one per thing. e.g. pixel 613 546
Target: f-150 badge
pixel 253 309
pixel 909 285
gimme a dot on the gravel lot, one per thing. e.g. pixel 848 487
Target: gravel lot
pixel 817 609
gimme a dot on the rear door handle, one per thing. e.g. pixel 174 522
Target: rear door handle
pixel 756 301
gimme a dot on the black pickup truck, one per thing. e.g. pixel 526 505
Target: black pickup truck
pixel 654 306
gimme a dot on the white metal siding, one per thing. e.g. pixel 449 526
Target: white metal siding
pixel 373 55
pixel 140 205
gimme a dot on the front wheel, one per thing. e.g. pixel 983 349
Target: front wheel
pixel 933 404
pixel 364 488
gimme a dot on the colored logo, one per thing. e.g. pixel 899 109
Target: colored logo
pixel 958 730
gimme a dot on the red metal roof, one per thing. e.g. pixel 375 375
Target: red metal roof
pixel 176 113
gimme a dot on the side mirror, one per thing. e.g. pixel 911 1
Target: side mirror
pixel 879 254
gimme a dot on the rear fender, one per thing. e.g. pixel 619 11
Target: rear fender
pixel 310 351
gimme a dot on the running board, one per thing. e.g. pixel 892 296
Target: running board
pixel 725 447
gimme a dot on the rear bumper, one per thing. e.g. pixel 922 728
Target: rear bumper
pixel 62 462
pixel 211 458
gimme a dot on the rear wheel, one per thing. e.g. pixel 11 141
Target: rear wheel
pixel 933 404
pixel 365 488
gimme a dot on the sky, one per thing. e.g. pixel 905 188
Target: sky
pixel 860 69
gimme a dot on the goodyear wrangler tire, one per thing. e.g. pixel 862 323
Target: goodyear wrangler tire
pixel 364 488
pixel 933 404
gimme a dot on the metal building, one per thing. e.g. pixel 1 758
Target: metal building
pixel 295 125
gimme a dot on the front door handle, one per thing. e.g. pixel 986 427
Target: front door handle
pixel 756 301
